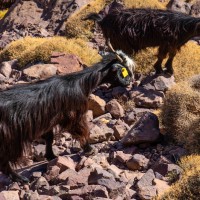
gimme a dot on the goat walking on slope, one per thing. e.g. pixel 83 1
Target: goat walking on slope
pixel 134 29
pixel 30 111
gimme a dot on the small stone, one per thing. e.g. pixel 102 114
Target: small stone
pixel 10 195
pixel 14 187
pixel 37 174
pixel 147 192
pixel 146 179
pixel 100 133
pixel 161 186
pixel 40 184
pixel 52 172
pixel 121 156
pixel 39 152
pixel 115 109
pixel 137 162
pixel 87 191
pixel 97 105
pixel 119 131
pixel 63 162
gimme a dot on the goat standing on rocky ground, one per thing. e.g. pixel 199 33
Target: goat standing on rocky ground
pixel 134 29
pixel 30 111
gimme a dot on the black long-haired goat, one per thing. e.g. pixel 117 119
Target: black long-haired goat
pixel 134 29
pixel 30 111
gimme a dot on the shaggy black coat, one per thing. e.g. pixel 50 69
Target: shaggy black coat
pixel 30 111
pixel 134 29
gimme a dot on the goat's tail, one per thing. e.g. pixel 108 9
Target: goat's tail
pixel 93 16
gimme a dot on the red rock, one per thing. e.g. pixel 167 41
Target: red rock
pixel 100 133
pixel 147 192
pixel 52 172
pixel 119 131
pixel 40 184
pixel 63 162
pixel 90 191
pixel 66 63
pixel 137 162
pixel 10 195
pixel 147 98
pixel 14 186
pixel 97 105
pixel 89 115
pixel 6 69
pixel 146 130
pixel 146 179
pixel 161 186
pixel 40 71
pixel 115 109
pixel 121 156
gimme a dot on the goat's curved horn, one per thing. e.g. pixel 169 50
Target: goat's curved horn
pixel 111 48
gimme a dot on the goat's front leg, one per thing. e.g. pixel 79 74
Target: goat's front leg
pixel 162 53
pixel 169 62
pixel 48 137
pixel 81 133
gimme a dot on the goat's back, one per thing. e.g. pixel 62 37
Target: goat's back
pixel 135 29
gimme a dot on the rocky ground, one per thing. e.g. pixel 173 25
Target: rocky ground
pixel 132 158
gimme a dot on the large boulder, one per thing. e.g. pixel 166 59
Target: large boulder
pixel 66 63
pixel 45 19
pixel 40 71
pixel 146 130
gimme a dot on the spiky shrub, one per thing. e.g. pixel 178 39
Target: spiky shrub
pixel 188 185
pixel 31 50
pixel 186 63
pixel 144 4
pixel 181 114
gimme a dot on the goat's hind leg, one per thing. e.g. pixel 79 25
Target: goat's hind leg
pixel 82 132
pixel 48 137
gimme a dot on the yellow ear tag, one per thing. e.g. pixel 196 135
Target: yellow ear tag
pixel 124 72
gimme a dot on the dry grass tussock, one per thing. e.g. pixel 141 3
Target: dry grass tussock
pixel 145 4
pixel 186 62
pixel 2 13
pixel 76 27
pixel 181 114
pixel 188 185
pixel 31 50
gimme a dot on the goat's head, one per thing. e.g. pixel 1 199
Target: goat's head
pixel 123 59
pixel 121 69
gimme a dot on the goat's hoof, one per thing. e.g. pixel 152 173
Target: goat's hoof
pixel 18 178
